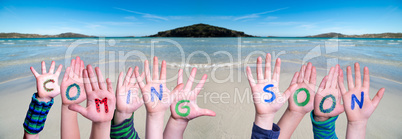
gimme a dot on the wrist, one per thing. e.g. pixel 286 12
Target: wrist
pixel 264 121
pixel 179 121
pixel 44 99
pixel 298 113
pixel 359 124
pixel 119 117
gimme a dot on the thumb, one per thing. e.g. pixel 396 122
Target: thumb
pixel 79 109
pixel 177 88
pixel 206 112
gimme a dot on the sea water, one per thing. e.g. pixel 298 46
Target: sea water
pixel 382 56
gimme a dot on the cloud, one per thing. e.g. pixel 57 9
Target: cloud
pixel 271 18
pixel 256 15
pixel 145 15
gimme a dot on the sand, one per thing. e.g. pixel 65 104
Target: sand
pixel 231 100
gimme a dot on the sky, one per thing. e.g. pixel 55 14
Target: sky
pixel 260 18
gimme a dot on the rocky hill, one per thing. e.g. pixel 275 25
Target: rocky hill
pixel 200 30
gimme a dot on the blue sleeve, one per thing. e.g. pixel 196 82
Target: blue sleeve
pixel 124 130
pixel 259 133
pixel 324 129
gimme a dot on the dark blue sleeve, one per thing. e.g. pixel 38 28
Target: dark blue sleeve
pixel 259 133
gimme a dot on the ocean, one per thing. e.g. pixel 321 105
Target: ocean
pixel 382 56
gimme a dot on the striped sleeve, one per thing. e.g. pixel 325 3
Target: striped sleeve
pixel 124 130
pixel 36 115
pixel 324 129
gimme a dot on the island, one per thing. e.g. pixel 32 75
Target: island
pixel 201 30
pixel 339 35
pixel 62 35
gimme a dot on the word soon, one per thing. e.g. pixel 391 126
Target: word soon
pixel 159 95
pixel 183 107
pixel 44 85
pixel 104 101
pixel 128 97
pixel 332 106
pixel 68 92
pixel 268 91
pixel 304 103
pixel 354 99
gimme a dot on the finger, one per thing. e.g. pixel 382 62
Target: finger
pixel 334 78
pixel 277 70
pixel 82 67
pixel 330 76
pixel 377 98
pixel 206 112
pixel 340 82
pixel 250 77
pixel 163 71
pixel 322 84
pixel 36 74
pixel 259 70
pixel 87 82
pixel 289 91
pixel 313 78
pixel 350 77
pixel 52 65
pixel 366 78
pixel 65 78
pixel 301 74
pixel 155 69
pixel 120 80
pixel 190 80
pixel 58 71
pixel 132 78
pixel 128 75
pixel 139 78
pixel 358 77
pixel 147 72
pixel 43 67
pixel 101 80
pixel 308 72
pixel 180 77
pixel 294 79
pixel 109 85
pixel 92 78
pixel 177 89
pixel 77 66
pixel 268 67
pixel 79 109
pixel 72 65
pixel 200 84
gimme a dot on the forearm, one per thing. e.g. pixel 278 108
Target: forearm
pixel 175 128
pixel 69 123
pixel 289 122
pixel 356 130
pixel 323 127
pixel 36 116
pixel 30 136
pixel 264 121
pixel 154 126
pixel 100 130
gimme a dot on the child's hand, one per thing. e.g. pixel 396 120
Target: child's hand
pixel 47 83
pixel 156 95
pixel 185 103
pixel 127 97
pixel 303 84
pixel 72 86
pixel 356 101
pixel 100 100
pixel 331 106
pixel 266 95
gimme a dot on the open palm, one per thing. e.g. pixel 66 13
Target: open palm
pixel 329 90
pixel 266 95
pixel 100 100
pixel 185 103
pixel 358 112
pixel 127 99
pixel 157 97
pixel 47 82
pixel 72 86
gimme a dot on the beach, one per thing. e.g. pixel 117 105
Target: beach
pixel 227 91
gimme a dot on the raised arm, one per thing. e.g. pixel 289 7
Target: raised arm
pixel 41 102
pixel 157 97
pixel 72 92
pixel 357 102
pixel 301 102
pixel 100 103
pixel 184 107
